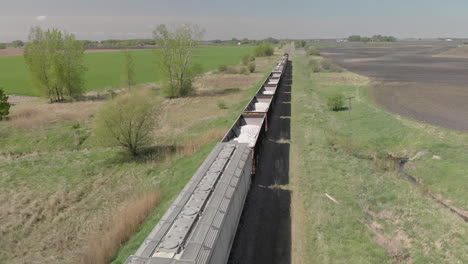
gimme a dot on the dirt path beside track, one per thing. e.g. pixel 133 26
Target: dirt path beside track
pixel 264 232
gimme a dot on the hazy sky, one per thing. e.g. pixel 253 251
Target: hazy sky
pixel 103 19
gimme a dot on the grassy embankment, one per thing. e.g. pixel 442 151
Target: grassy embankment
pixel 59 188
pixel 104 68
pixel 380 217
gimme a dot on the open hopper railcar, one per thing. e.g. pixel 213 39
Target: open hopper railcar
pixel 200 225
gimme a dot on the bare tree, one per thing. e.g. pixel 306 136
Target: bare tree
pixel 127 121
pixel 176 66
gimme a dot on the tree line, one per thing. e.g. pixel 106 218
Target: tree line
pixel 375 38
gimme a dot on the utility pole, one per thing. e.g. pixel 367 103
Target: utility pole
pixel 349 106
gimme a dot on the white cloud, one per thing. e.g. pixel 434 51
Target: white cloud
pixel 41 18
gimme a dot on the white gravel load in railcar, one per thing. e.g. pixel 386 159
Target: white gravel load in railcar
pixel 247 134
pixel 261 107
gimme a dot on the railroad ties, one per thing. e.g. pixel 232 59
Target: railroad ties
pixel 200 225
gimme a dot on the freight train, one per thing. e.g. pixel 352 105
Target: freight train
pixel 200 225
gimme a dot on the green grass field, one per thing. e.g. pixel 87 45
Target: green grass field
pixel 104 68
pixel 380 217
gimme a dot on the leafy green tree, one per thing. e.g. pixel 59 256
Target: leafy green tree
pixel 128 72
pixel 271 40
pixel 299 43
pixel 251 65
pixel 127 121
pixel 365 39
pixel 71 67
pixel 54 60
pixel 176 66
pixel 354 38
pixel 4 105
pixel 245 59
pixel 17 43
pixel 263 49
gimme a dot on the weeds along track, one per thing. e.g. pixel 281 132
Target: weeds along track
pixel 200 225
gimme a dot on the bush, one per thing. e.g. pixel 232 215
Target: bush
pixel 315 66
pixel 127 121
pixel 251 58
pixel 222 68
pixel 313 51
pixel 76 125
pixel 2 46
pixel 243 70
pixel 263 49
pixel 4 105
pixel 251 66
pixel 245 59
pixel 335 102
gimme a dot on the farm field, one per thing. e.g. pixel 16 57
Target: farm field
pixel 104 68
pixel 423 80
pixel 349 203
pixel 56 214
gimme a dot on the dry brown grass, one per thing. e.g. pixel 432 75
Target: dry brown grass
pixel 39 114
pixel 177 115
pixel 191 146
pixel 102 245
pixel 222 81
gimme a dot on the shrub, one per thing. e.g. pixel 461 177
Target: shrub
pixel 245 59
pixel 4 105
pixel 222 105
pixel 126 121
pixel 76 125
pixel 263 49
pixel 251 58
pixel 251 66
pixel 243 70
pixel 315 66
pixel 335 101
pixel 222 68
pixel 2 46
pixel 313 51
